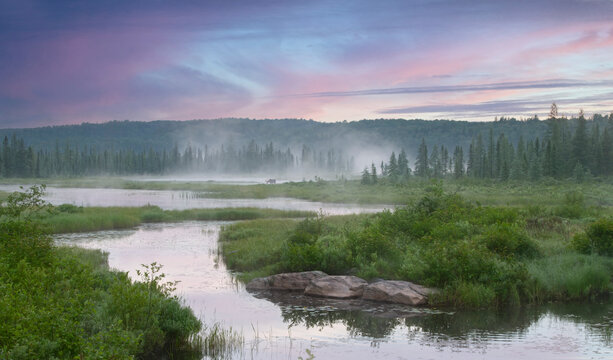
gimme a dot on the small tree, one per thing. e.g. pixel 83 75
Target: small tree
pixel 421 164
pixel 373 173
pixel 365 177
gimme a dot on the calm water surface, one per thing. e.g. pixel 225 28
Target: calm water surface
pixel 285 326
pixel 180 200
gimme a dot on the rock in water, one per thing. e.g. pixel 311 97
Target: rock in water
pixel 286 281
pixel 340 287
pixel 400 292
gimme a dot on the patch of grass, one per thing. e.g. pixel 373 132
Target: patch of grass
pixel 254 247
pixel 569 276
pixel 67 218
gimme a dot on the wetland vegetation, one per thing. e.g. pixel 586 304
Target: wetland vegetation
pixel 479 255
pixel 64 302
pixel 68 218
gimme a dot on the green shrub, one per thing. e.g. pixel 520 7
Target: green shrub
pixel 69 208
pixel 573 206
pixel 333 254
pixel 600 234
pixel 597 239
pixel 65 303
pixel 300 252
pixel 507 240
pixel 155 214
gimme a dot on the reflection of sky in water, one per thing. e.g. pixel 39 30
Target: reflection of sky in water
pixel 188 252
pixel 179 200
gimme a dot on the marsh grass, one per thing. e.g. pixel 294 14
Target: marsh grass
pixel 219 342
pixel 479 256
pixel 68 218
pixel 548 193
pixel 569 276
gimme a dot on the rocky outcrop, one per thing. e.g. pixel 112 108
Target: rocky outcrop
pixel 285 281
pixel 339 287
pixel 399 292
pixel 319 284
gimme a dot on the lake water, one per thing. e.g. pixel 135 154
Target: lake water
pixel 285 326
pixel 180 200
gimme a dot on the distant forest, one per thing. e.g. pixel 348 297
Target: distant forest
pixel 285 133
pixel 17 160
pixel 571 148
pixel 503 149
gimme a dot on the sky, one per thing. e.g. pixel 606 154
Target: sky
pixel 67 62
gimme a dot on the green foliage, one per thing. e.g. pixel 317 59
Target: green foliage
pixel 69 208
pixel 598 239
pixel 65 303
pixel 573 206
pixel 507 240
pixel 569 277
pixel 478 256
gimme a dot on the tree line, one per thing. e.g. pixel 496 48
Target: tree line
pixel 19 160
pixel 571 148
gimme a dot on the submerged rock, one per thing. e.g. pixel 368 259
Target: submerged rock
pixel 286 281
pixel 399 292
pixel 340 287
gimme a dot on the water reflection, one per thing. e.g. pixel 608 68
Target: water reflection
pixel 378 320
pixel 283 325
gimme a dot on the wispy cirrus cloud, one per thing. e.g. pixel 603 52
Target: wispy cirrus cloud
pixel 509 85
pixel 509 106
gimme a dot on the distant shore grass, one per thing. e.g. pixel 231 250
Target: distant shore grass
pixel 69 218
pixel 545 193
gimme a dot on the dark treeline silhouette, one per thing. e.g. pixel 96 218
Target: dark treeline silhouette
pixel 571 148
pixel 17 160
pixel 359 138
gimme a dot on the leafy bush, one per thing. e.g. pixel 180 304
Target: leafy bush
pixel 507 240
pixel 65 302
pixel 69 208
pixel 597 239
pixel 573 206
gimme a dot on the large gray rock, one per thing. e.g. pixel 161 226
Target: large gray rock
pixel 400 292
pixel 285 281
pixel 340 287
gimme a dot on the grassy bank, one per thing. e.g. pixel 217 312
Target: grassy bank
pixel 550 192
pixel 480 256
pixel 69 218
pixel 65 303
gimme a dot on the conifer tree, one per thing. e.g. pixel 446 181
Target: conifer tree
pixel 421 163
pixel 458 162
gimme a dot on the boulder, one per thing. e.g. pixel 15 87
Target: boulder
pixel 340 287
pixel 400 292
pixel 286 281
